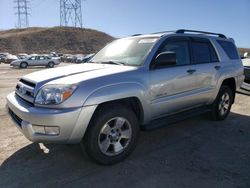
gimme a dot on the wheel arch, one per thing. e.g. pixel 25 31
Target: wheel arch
pixel 231 82
pixel 132 103
pixel 132 95
pixel 24 62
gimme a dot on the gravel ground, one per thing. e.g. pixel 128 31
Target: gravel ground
pixel 193 153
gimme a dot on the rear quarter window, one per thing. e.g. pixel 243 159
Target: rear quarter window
pixel 229 48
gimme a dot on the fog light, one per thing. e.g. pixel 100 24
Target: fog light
pixel 39 129
pixel 52 130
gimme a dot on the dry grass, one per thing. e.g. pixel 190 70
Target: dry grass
pixel 59 39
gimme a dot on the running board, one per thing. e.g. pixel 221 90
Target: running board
pixel 168 120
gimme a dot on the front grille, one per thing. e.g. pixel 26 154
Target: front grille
pixel 17 119
pixel 25 90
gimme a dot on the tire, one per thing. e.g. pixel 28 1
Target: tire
pixel 23 65
pixel 111 135
pixel 51 64
pixel 222 104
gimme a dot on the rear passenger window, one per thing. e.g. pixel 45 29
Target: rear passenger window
pixel 181 49
pixel 229 48
pixel 203 52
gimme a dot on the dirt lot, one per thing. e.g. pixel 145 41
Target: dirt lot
pixel 193 153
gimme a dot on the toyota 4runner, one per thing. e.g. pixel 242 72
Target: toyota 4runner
pixel 142 81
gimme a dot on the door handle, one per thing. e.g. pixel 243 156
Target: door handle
pixel 191 71
pixel 217 67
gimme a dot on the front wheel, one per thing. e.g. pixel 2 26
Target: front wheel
pixel 112 134
pixel 222 105
pixel 23 65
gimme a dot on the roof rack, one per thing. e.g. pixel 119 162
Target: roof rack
pixel 163 32
pixel 135 35
pixel 202 32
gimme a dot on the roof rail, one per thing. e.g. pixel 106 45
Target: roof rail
pixel 135 35
pixel 162 32
pixel 202 32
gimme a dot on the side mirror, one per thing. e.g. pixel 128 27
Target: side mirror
pixel 165 59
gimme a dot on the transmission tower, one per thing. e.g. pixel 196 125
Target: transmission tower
pixel 22 13
pixel 71 13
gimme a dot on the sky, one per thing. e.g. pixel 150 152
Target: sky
pixel 123 18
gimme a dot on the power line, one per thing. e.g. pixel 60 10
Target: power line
pixel 71 13
pixel 22 13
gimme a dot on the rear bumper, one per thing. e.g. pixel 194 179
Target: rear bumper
pixel 72 123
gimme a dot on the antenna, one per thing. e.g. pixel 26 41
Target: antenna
pixel 71 13
pixel 22 13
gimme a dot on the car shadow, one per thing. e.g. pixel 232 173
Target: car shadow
pixel 175 154
pixel 30 67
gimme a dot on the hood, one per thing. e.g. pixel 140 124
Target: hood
pixel 76 73
pixel 16 61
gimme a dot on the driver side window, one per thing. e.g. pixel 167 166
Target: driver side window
pixel 181 48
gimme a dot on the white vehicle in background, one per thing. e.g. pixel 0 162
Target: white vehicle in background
pixel 85 58
pixel 245 88
pixel 22 55
pixel 35 60
pixel 9 58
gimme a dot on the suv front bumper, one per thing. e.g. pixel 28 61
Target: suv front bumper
pixel 71 123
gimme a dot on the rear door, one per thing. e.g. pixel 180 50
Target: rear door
pixel 206 66
pixel 32 61
pixel 42 60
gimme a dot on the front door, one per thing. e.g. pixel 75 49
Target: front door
pixel 171 87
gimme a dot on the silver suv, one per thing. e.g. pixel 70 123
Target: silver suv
pixel 142 81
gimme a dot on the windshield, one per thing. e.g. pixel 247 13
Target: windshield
pixel 128 51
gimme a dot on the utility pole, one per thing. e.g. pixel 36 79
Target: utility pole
pixel 22 13
pixel 71 13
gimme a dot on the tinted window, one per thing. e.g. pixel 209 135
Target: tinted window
pixel 214 57
pixel 201 52
pixel 229 48
pixel 181 49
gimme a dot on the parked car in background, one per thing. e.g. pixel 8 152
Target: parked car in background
pixel 36 60
pixel 85 58
pixel 245 87
pixel 22 55
pixel 3 56
pixel 246 64
pixel 9 58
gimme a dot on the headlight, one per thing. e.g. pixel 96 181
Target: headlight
pixel 54 94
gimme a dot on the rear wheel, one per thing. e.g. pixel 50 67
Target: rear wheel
pixel 112 134
pixel 222 105
pixel 23 65
pixel 51 64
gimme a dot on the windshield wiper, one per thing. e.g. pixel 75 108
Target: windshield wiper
pixel 112 62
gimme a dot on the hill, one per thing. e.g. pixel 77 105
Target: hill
pixel 243 50
pixel 58 39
